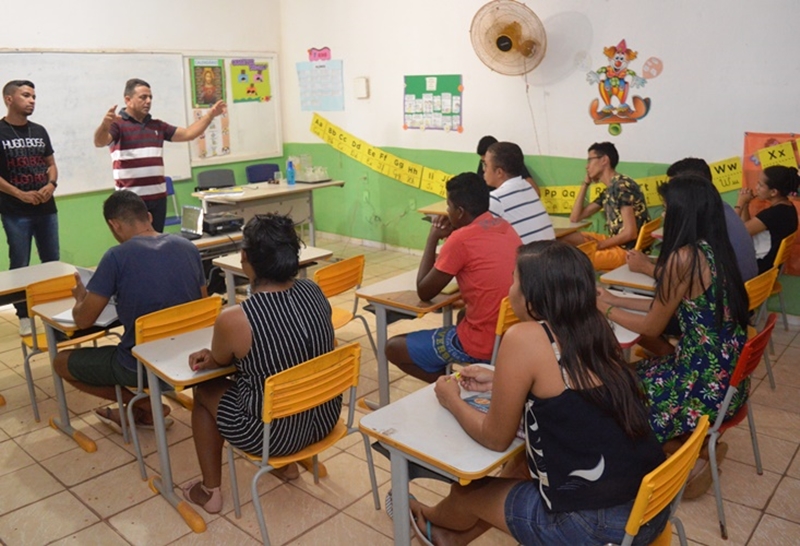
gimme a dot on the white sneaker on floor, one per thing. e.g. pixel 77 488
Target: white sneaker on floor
pixel 24 326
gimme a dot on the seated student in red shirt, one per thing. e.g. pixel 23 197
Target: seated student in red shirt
pixel 480 252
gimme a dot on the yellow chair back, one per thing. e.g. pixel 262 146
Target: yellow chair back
pixel 784 250
pixel 506 318
pixel 49 290
pixel 311 383
pixel 589 248
pixel 660 487
pixel 178 319
pixel 759 288
pixel 645 239
pixel 340 276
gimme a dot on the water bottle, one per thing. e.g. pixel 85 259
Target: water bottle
pixel 290 173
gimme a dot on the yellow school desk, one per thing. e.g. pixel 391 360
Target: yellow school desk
pixel 47 312
pixel 399 294
pixel 628 281
pixel 417 429
pixel 561 225
pixel 232 266
pixel 168 359
pixel 248 200
pixel 14 281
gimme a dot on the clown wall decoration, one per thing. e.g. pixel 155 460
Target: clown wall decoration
pixel 614 82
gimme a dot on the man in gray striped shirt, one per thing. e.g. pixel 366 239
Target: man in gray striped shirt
pixel 512 198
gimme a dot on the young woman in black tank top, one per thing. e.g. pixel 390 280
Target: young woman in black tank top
pixel 588 439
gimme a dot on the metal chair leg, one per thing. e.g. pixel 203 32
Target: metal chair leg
pixel 712 460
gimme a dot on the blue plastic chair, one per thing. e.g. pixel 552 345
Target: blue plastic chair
pixel 261 172
pixel 175 219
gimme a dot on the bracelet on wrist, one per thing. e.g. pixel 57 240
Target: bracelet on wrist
pixel 608 311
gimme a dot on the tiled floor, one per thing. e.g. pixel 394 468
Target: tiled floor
pixel 52 492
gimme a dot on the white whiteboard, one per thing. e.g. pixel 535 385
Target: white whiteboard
pixel 254 127
pixel 75 90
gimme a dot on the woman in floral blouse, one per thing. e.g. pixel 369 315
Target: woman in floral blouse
pixel 697 276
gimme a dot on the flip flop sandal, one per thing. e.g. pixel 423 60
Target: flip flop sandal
pixel 213 505
pixel 104 415
pixel 426 537
pixel 388 505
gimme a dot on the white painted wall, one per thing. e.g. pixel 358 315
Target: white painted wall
pixel 730 66
pixel 141 25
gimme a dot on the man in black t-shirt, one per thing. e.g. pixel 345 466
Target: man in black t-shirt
pixel 28 177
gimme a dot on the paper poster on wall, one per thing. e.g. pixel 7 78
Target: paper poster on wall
pixel 433 102
pixel 727 174
pixel 216 140
pixel 614 82
pixel 780 154
pixel 321 86
pixel 208 81
pixel 250 80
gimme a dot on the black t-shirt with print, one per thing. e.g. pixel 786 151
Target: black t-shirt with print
pixel 23 153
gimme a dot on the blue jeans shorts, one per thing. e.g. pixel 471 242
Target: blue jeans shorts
pixel 530 523
pixel 433 350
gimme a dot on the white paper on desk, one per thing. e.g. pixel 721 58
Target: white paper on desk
pixel 107 316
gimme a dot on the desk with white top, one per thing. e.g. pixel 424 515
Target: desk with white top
pixel 232 266
pixel 561 224
pixel 168 359
pixel 417 429
pixel 251 199
pixel 47 312
pixel 629 281
pixel 15 280
pixel 399 294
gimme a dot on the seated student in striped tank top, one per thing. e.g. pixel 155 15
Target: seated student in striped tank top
pixel 285 322
pixel 512 198
pixel 588 439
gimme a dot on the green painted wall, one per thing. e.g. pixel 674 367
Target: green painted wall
pixel 370 206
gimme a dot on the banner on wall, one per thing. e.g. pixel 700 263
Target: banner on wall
pixel 757 148
pixel 727 174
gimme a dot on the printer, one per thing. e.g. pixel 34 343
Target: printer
pixel 222 222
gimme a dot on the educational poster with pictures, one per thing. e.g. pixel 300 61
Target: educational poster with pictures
pixel 433 102
pixel 321 86
pixel 216 140
pixel 250 80
pixel 208 81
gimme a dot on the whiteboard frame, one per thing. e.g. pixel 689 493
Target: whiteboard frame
pixel 177 149
pixel 274 75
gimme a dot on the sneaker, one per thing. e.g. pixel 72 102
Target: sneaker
pixel 25 326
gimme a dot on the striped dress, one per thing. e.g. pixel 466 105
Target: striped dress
pixel 289 327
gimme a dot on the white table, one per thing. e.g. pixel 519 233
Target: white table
pixel 14 281
pixel 295 200
pixel 46 312
pixel 399 294
pixel 417 429
pixel 168 359
pixel 232 266
pixel 628 281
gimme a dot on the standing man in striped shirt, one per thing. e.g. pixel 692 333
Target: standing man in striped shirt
pixel 512 198
pixel 136 142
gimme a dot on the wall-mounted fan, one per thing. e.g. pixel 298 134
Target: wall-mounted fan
pixel 508 37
